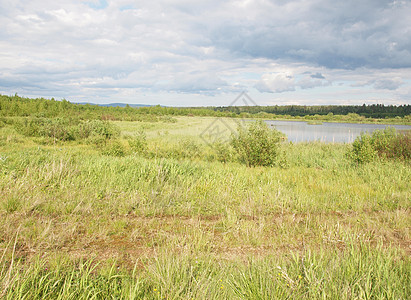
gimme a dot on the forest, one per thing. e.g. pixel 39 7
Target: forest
pixel 368 111
pixel 22 107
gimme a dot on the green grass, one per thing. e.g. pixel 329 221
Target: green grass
pixel 360 272
pixel 174 222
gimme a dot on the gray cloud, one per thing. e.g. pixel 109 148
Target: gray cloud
pixel 381 83
pixel 347 34
pixel 317 75
pixel 117 48
pixel 388 84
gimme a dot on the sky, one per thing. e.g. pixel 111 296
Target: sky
pixel 205 53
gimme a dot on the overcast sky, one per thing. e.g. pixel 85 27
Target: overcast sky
pixel 196 53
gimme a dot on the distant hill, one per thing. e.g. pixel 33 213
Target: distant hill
pixel 125 104
pixel 115 104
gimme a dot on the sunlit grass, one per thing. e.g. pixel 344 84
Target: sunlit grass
pixel 178 224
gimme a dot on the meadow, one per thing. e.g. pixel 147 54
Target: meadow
pixel 146 210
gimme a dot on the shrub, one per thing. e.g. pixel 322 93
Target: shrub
pixel 223 151
pixel 66 129
pixel 168 119
pixel 182 149
pixel 256 144
pixel 383 141
pixel 188 148
pixel 96 140
pixel 387 143
pixel 114 148
pixel 402 145
pixel 362 149
pixel 108 117
pixel 58 129
pixel 29 127
pixel 99 128
pixel 138 143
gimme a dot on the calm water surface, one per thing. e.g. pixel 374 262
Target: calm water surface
pixel 298 131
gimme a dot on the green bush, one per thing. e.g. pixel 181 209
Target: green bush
pixel 92 128
pixel 66 129
pixel 187 148
pixel 383 141
pixel 29 127
pixel 96 140
pixel 58 129
pixel 402 146
pixel 138 143
pixel 114 148
pixel 184 148
pixel 256 144
pixel 387 143
pixel 168 119
pixel 362 149
pixel 223 152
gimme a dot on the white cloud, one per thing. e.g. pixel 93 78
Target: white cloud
pixel 115 49
pixel 276 83
pixel 287 82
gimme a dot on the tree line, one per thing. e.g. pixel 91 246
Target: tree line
pixel 16 106
pixel 368 111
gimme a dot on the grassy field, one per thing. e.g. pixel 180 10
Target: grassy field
pixel 182 220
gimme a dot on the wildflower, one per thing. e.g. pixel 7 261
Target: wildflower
pixel 299 276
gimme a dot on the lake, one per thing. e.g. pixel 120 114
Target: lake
pixel 299 131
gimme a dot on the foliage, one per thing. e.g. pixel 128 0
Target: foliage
pixel 387 143
pixel 188 149
pixel 256 144
pixel 363 150
pixel 58 128
pixel 92 128
pixel 66 129
pixel 223 152
pixel 138 142
pixel 114 148
pixel 15 106
pixel 402 146
pixel 326 111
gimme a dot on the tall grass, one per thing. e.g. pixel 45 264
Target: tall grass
pixel 172 218
pixel 361 272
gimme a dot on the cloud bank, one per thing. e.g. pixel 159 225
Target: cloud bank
pixel 180 52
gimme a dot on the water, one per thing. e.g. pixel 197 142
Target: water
pixel 298 131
